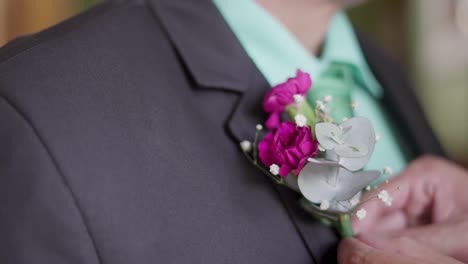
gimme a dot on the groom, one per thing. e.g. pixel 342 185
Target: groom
pixel 120 129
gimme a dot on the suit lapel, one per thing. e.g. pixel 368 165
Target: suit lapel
pixel 215 60
pixel 209 50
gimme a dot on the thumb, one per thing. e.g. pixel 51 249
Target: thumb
pixel 353 251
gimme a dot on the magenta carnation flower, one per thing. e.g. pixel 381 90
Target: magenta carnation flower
pixel 282 95
pixel 289 147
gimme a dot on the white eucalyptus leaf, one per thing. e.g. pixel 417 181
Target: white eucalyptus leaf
pixel 313 181
pixel 340 207
pixel 317 182
pixel 325 132
pixel 291 181
pixel 314 209
pixel 354 164
pixel 323 161
pixel 332 156
pixel 353 183
pixel 361 133
pixel 352 150
pixel 336 207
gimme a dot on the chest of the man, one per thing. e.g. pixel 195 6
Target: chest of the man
pixel 165 182
pixel 156 173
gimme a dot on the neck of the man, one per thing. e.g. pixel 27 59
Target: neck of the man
pixel 308 20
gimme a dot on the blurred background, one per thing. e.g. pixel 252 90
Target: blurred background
pixel 428 37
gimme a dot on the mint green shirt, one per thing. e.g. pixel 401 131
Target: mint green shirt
pixel 278 54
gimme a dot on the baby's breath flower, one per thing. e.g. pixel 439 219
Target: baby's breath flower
pixel 385 197
pixel 246 146
pixel 361 213
pixel 327 118
pixel 328 98
pixel 354 201
pixel 368 187
pixel 320 105
pixel 259 127
pixel 387 170
pixel 354 104
pixel 324 205
pixel 377 137
pixel 301 120
pixel 274 169
pixel 298 98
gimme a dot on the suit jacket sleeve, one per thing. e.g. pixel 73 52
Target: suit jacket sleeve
pixel 40 221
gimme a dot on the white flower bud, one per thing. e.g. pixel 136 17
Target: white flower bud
pixel 298 99
pixel 301 120
pixel 387 170
pixel 385 197
pixel 354 201
pixel 320 105
pixel 246 146
pixel 259 127
pixel 321 148
pixel 274 169
pixel 324 205
pixel 361 213
pixel 377 137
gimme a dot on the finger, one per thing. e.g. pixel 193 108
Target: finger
pixel 435 236
pixel 448 239
pixel 352 251
pixel 408 247
pixel 388 224
pixel 413 193
pixel 400 189
pixel 426 186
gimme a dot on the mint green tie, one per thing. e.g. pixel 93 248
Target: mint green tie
pixel 342 83
pixel 336 83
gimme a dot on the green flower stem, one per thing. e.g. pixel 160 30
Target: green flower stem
pixel 255 149
pixel 344 226
pixel 305 109
pixel 277 179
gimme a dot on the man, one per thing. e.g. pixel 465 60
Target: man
pixel 120 131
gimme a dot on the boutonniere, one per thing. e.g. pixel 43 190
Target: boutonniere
pixel 307 151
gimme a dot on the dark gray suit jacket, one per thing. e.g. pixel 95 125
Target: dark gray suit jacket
pixel 119 136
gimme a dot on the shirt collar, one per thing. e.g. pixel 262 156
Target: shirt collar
pixel 278 54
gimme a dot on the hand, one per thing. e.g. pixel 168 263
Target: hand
pixel 406 251
pixel 430 209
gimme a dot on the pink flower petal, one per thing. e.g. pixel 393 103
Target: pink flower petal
pixel 285 170
pixel 273 121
